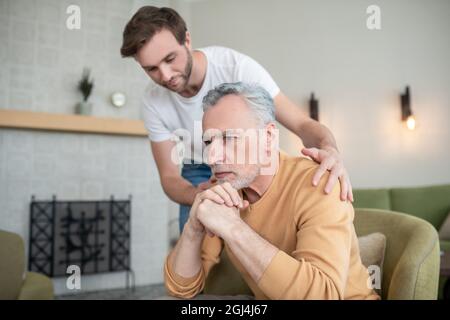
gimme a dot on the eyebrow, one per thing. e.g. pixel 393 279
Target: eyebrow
pixel 165 58
pixel 222 134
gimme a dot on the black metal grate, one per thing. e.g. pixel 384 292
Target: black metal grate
pixel 94 235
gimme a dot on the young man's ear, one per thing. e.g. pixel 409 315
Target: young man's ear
pixel 187 41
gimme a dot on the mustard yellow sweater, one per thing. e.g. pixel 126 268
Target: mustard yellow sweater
pixel 319 255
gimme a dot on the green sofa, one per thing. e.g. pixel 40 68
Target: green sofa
pixel 411 263
pixel 15 283
pixel 431 203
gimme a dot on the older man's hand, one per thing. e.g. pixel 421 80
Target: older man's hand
pixel 217 218
pixel 222 195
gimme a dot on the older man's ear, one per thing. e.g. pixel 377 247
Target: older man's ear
pixel 271 138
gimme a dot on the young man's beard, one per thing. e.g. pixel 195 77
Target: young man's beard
pixel 186 74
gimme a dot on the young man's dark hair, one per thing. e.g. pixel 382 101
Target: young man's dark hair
pixel 147 21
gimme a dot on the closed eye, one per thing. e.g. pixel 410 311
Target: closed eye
pixel 170 58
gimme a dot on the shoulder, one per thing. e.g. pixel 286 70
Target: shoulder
pixel 223 56
pixel 299 173
pixel 298 169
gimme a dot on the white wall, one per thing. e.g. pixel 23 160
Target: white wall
pixel 325 47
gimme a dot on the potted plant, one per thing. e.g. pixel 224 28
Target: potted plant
pixel 85 86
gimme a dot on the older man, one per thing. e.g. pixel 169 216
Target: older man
pixel 287 238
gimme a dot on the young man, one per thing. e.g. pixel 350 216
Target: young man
pixel 157 38
pixel 286 238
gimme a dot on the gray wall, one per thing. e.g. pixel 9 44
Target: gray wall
pixel 325 47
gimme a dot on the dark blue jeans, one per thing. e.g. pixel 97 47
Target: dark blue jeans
pixel 195 174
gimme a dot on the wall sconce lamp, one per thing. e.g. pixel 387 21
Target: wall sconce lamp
pixel 314 107
pixel 407 115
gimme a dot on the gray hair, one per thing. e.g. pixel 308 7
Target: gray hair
pixel 257 98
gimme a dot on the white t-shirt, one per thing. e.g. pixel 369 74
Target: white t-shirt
pixel 167 115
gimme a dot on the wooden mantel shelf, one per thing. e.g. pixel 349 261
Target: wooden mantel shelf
pixel 31 120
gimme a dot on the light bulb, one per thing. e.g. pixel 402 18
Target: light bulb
pixel 411 122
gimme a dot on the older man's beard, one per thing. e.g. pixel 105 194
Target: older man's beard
pixel 241 180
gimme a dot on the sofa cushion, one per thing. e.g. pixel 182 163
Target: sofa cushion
pixel 372 198
pixel 371 249
pixel 429 203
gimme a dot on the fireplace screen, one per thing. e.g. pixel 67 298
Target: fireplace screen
pixel 93 235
